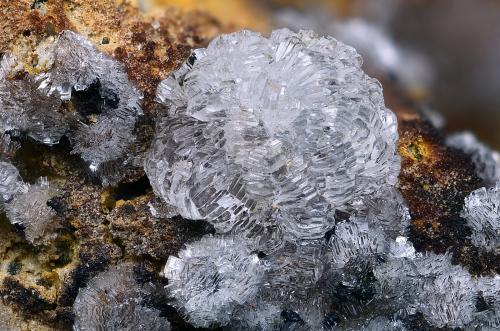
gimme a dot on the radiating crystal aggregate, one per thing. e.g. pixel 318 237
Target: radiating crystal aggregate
pixel 27 205
pixel 80 93
pixel 443 293
pixel 10 181
pixel 286 129
pixel 30 209
pixel 212 277
pixel 114 301
pixel 482 212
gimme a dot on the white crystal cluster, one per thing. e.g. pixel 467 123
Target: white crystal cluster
pixel 271 136
pixel 100 130
pixel 26 205
pixel 114 301
pixel 211 277
pixel 482 212
pixel 286 147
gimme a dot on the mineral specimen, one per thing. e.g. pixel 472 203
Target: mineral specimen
pixel 10 181
pixel 101 125
pixel 287 129
pixel 24 204
pixel 113 300
pixel 245 148
pixel 30 209
pixel 212 277
pixel 482 212
pixel 283 142
pixel 443 293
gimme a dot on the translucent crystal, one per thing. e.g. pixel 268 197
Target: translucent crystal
pixel 488 320
pixel 24 108
pixel 114 301
pixel 256 317
pixel 8 147
pixel 486 160
pixel 381 323
pixel 296 268
pixel 354 241
pixel 445 294
pixel 105 104
pixel 10 181
pixel 386 210
pixel 29 209
pixel 294 278
pixel 212 277
pixel 482 212
pixel 77 65
pixel 286 129
pixel 490 290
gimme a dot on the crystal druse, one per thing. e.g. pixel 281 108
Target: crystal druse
pixel 285 146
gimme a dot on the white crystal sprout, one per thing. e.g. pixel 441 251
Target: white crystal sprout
pixel 482 212
pixel 113 301
pixel 286 129
pixel 212 277
pixel 285 144
pixel 31 211
pixel 10 181
pixel 354 241
pixel 71 64
pixel 23 108
pixel 27 205
pixel 77 64
pixel 444 293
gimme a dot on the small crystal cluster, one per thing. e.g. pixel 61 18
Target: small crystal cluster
pixel 113 300
pixel 81 93
pixel 285 146
pixel 482 212
pixel 27 205
pixel 213 276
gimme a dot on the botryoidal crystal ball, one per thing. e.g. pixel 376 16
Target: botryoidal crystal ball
pixel 269 136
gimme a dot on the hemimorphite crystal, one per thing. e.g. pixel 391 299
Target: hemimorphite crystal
pixel 10 181
pixel 212 277
pixel 114 301
pixel 482 212
pixel 386 210
pixel 103 104
pixel 29 209
pixel 355 241
pixel 24 108
pixel 78 66
pixel 444 293
pixel 26 205
pixel 282 130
